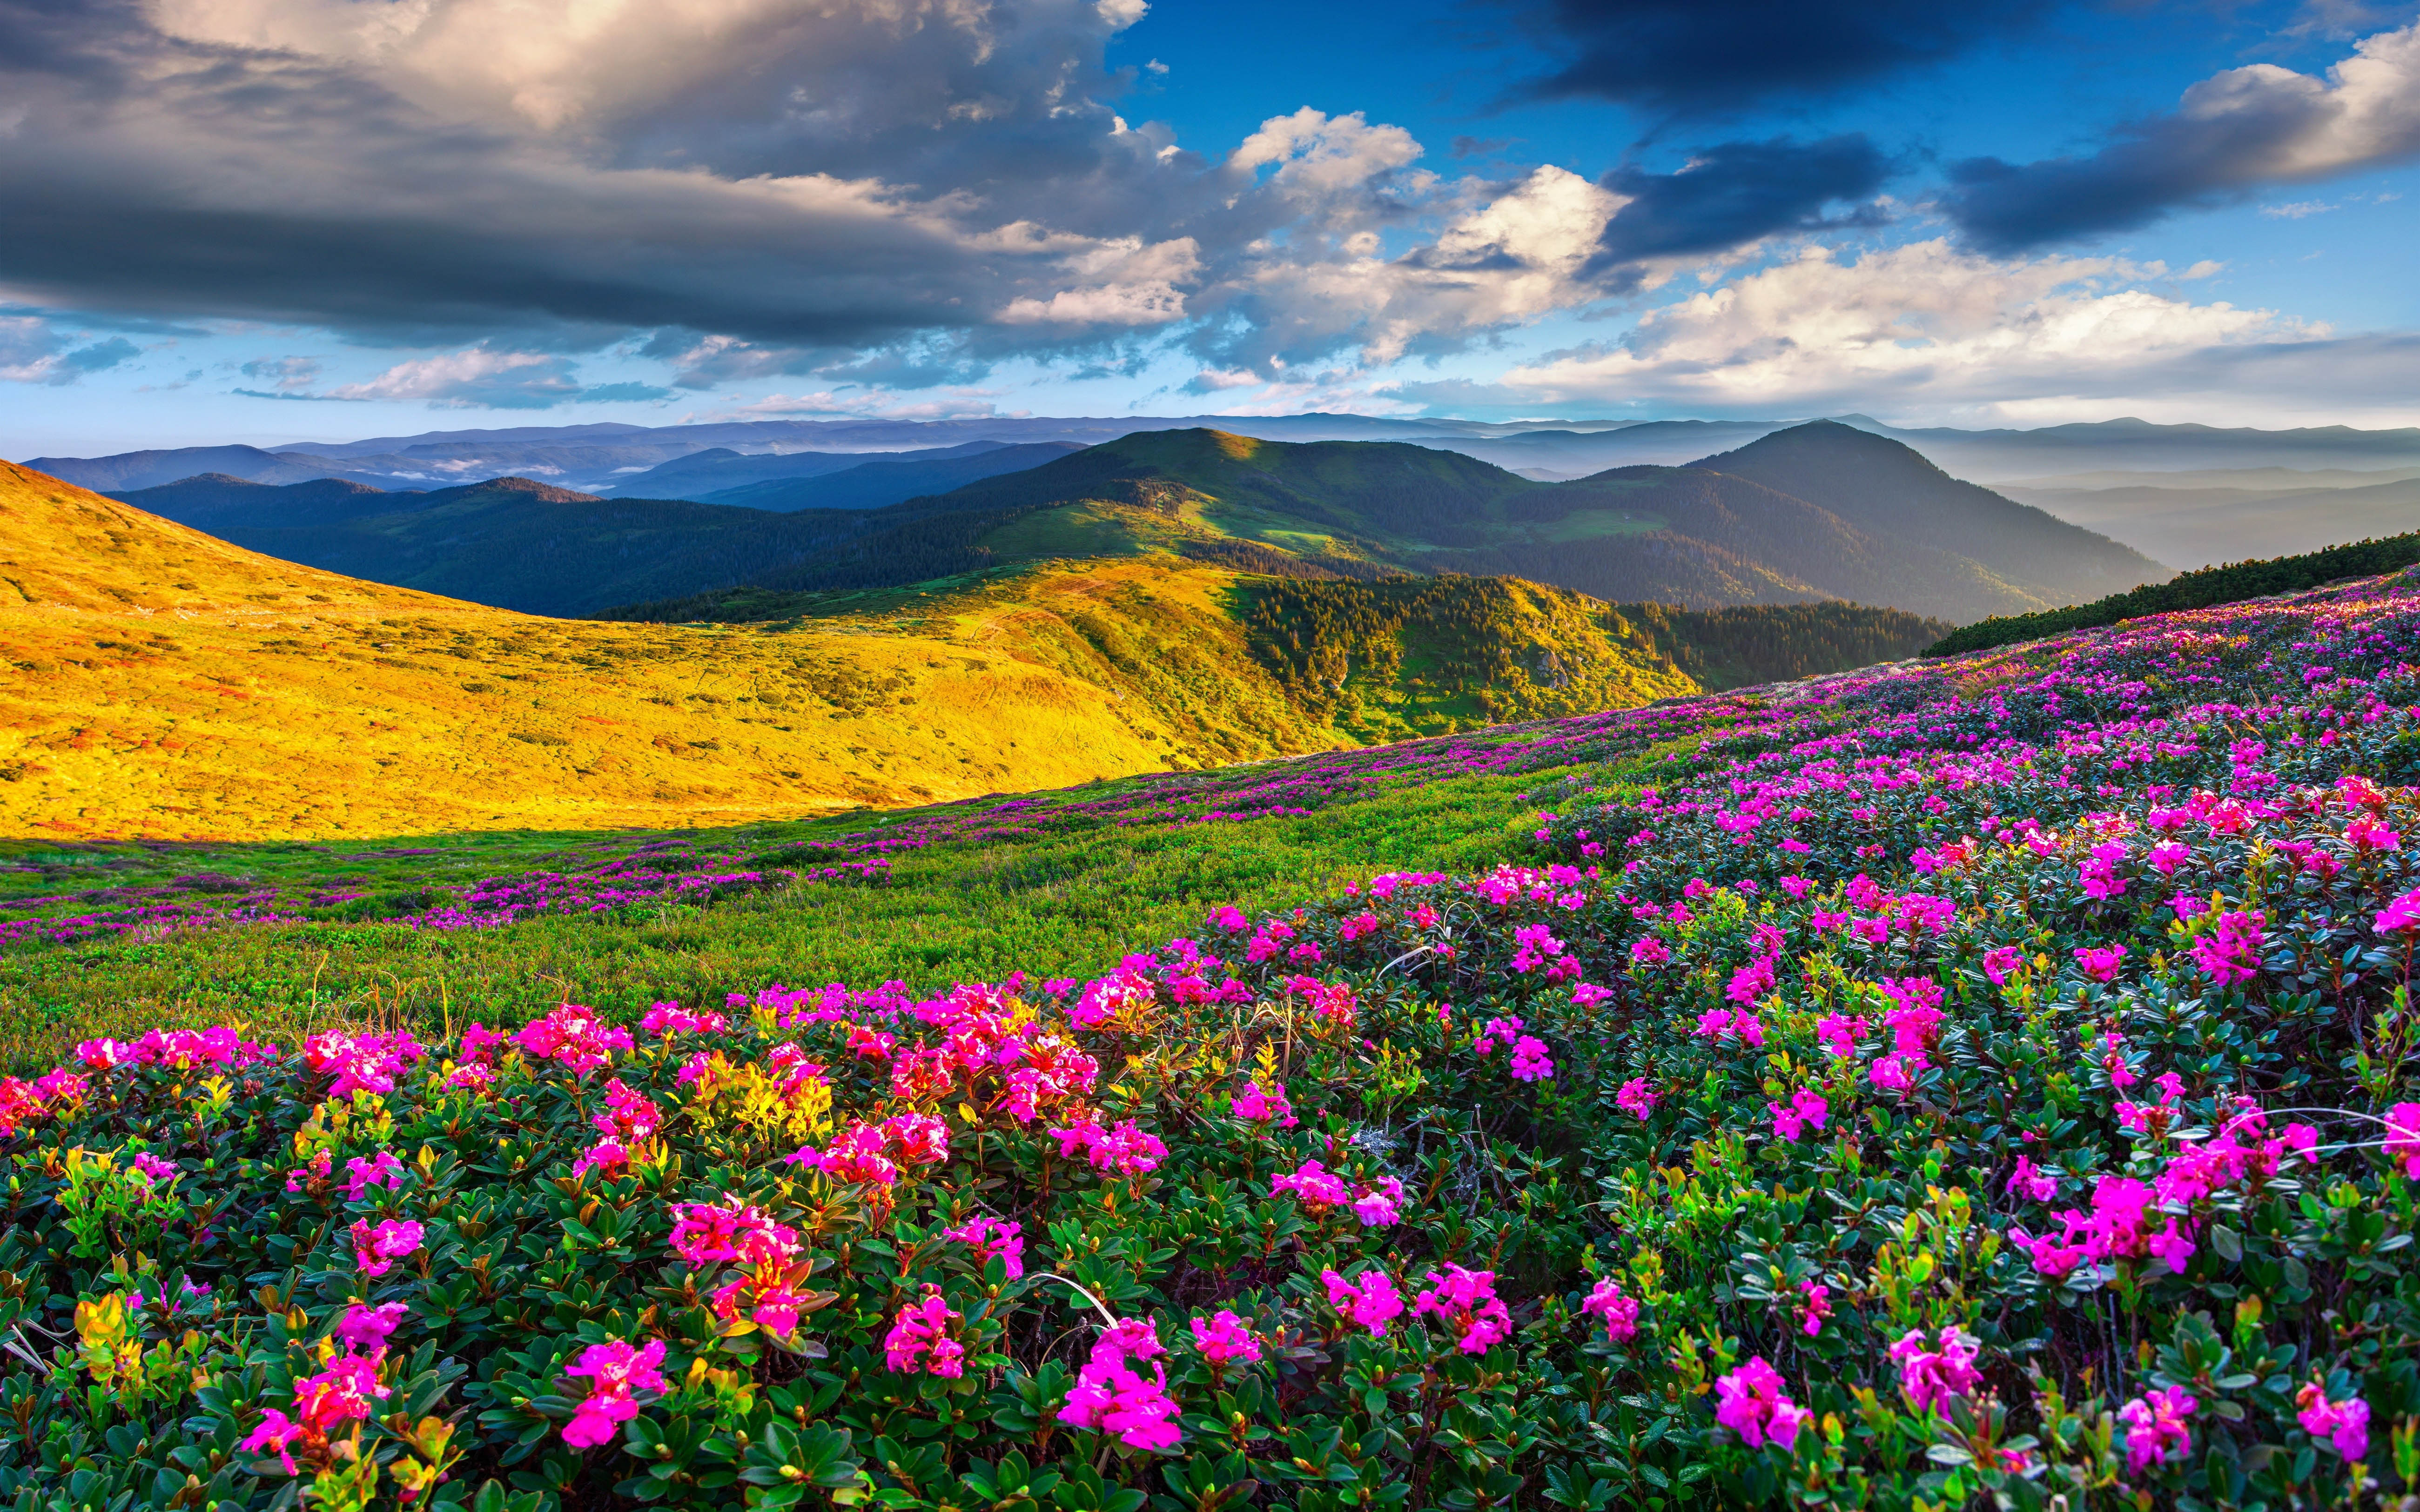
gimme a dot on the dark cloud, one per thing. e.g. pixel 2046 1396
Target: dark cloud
pixel 2232 134
pixel 1735 193
pixel 1698 56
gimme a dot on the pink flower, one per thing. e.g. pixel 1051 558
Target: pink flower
pixel 615 1373
pixel 1313 1185
pixel 2401 915
pixel 2155 1427
pixel 2229 951
pixel 992 1237
pixel 607 1155
pixel 1269 1107
pixel 341 1394
pixel 1892 1073
pixel 1648 950
pixel 1380 1204
pixel 365 1328
pixel 2403 1136
pixel 1806 1109
pixel 1371 1303
pixel 573 1036
pixel 2099 962
pixel 1819 1307
pixel 1531 1062
pixel 2031 1180
pixel 1125 1150
pixel 1931 1376
pixel 704 1232
pixel 1749 1402
pixel 1620 1312
pixel 2344 1424
pixel 382 1170
pixel 1840 1035
pixel 1637 1098
pixel 1110 1396
pixel 376 1250
pixel 1466 1300
pixel 919 1341
pixel 1224 1339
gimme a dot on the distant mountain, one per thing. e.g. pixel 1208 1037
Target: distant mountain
pixel 512 543
pixel 611 458
pixel 146 469
pixel 1891 493
pixel 873 485
pixel 2201 527
pixel 218 502
pixel 1695 536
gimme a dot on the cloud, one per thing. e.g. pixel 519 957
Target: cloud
pixel 1699 56
pixel 1924 325
pixel 2231 133
pixel 1509 259
pixel 287 374
pixel 476 379
pixel 33 351
pixel 1737 192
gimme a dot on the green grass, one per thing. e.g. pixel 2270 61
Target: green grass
pixel 1063 904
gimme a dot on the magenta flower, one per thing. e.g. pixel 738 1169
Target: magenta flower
pixel 2401 915
pixel 2099 962
pixel 1371 1302
pixel 2229 951
pixel 377 1249
pixel 1636 1098
pixel 2344 1424
pixel 2155 1427
pixel 2032 1181
pixel 382 1170
pixel 1531 1062
pixel 1265 1106
pixel 1466 1300
pixel 1840 1034
pixel 1931 1375
pixel 1819 1307
pixel 1648 950
pixel 1749 1402
pixel 2403 1136
pixel 343 1393
pixel 919 1341
pixel 1224 1339
pixel 1110 1396
pixel 1620 1312
pixel 364 1329
pixel 991 1237
pixel 615 1372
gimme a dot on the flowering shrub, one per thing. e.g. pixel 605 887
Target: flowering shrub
pixel 1989 1082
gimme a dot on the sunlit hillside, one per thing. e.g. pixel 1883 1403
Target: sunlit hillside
pixel 160 683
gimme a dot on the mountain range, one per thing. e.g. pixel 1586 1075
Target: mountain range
pixel 156 682
pixel 2225 493
pixel 1820 511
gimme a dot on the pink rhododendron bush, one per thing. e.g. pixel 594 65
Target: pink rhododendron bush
pixel 1989 1082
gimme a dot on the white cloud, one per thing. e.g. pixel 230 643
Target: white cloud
pixel 1919 325
pixel 1127 283
pixel 477 377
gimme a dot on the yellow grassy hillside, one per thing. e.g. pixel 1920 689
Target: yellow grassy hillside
pixel 155 682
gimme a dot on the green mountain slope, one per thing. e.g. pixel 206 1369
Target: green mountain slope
pixel 1892 492
pixel 1697 536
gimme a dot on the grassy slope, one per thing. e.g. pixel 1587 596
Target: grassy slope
pixel 1068 903
pixel 160 683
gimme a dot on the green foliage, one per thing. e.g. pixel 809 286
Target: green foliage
pixel 2230 584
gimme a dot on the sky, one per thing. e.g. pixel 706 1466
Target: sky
pixel 270 220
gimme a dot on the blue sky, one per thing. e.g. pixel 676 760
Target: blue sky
pixel 279 219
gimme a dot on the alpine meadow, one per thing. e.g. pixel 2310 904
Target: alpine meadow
pixel 1099 756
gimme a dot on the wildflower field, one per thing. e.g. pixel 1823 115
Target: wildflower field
pixel 1986 1081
